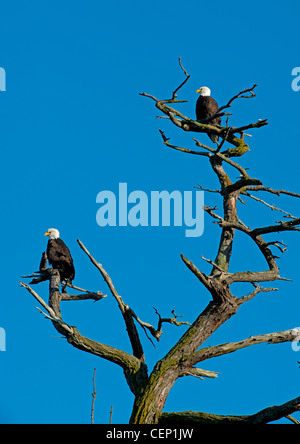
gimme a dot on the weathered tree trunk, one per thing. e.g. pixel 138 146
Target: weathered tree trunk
pixel 149 405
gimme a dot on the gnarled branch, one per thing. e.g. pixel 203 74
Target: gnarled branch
pixel 134 370
pixel 230 347
pixel 129 314
pixel 264 416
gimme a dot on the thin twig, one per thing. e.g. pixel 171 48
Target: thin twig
pixel 110 414
pixel 174 95
pixel 223 141
pixel 272 207
pixel 239 96
pixel 213 264
pixel 94 394
pixel 184 150
pixel 270 190
pixel 291 418
pixel 257 290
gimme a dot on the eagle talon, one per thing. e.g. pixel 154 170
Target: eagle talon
pixel 63 289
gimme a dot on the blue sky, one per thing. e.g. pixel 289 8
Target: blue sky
pixel 73 124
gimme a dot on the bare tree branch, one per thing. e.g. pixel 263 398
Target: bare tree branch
pixel 276 412
pixel 257 290
pixel 283 226
pixel 199 373
pixel 135 371
pixel 201 276
pixel 187 76
pixel 84 296
pixel 227 133
pixel 127 315
pixel 230 347
pixel 184 150
pixel 292 419
pixel 264 416
pixel 51 313
pixel 240 95
pixel 272 207
pixel 256 276
pixel 270 190
pixel 94 394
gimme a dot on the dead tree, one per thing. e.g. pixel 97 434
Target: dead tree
pixel 151 390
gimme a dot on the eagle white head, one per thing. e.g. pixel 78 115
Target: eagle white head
pixel 53 233
pixel 204 91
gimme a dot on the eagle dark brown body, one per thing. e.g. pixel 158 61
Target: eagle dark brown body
pixel 60 258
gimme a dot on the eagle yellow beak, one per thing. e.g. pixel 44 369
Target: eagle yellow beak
pixel 47 233
pixel 199 90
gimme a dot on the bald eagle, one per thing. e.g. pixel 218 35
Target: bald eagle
pixel 207 106
pixel 59 256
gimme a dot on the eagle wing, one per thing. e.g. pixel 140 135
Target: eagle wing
pixel 206 106
pixel 60 253
pixel 60 258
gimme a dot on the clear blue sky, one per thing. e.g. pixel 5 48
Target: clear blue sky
pixel 73 124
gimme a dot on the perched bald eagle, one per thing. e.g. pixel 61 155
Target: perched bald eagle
pixel 59 256
pixel 207 106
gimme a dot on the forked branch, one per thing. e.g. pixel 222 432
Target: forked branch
pixel 129 315
pixel 134 370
